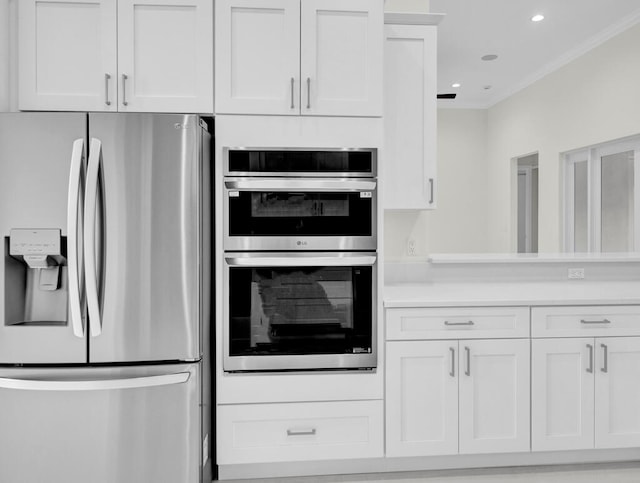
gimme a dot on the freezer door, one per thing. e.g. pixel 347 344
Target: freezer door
pixel 147 237
pixel 125 425
pixel 38 193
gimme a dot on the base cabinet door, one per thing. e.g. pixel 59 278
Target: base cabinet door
pixel 494 396
pixel 422 398
pixel 617 395
pixel 562 388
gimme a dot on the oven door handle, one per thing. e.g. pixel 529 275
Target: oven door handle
pixel 337 184
pixel 333 261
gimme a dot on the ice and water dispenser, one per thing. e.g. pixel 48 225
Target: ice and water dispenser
pixel 36 283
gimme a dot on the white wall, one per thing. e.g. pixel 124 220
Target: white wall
pixel 415 6
pixel 8 55
pixel 459 224
pixel 593 99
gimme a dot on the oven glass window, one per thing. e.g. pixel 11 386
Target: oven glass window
pixel 299 214
pixel 254 161
pixel 300 311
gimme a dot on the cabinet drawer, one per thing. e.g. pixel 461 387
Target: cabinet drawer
pixel 262 433
pixel 590 321
pixel 457 323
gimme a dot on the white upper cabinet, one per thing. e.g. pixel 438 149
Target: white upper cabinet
pixel 410 85
pixel 125 55
pixel 165 56
pixel 293 57
pixel 258 56
pixel 67 55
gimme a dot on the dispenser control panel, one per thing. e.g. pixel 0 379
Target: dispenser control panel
pixel 25 242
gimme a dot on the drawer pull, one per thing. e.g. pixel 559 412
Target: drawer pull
pixel 603 321
pixel 470 322
pixel 301 432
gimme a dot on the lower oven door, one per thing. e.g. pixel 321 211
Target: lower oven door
pixel 297 311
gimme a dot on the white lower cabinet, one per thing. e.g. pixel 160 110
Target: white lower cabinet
pixel 457 396
pixel 265 433
pixel 585 393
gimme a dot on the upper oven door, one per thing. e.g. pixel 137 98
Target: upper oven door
pixel 300 214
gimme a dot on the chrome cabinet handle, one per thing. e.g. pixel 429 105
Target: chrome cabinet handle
pixel 452 373
pixel 94 385
pixel 590 368
pixel 605 360
pixel 107 77
pixel 74 261
pixel 301 432
pixel 298 261
pixel 470 322
pixel 308 92
pixel 319 184
pixel 292 92
pixel 603 321
pixel 430 191
pixel 90 206
pixel 124 89
pixel 467 371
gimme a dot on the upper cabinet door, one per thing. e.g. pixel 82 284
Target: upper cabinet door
pixel 165 56
pixel 342 57
pixel 67 55
pixel 258 56
pixel 410 116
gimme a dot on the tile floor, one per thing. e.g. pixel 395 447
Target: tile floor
pixel 600 473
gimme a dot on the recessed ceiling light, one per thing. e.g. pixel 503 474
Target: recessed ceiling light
pixel 537 18
pixel 489 57
pixel 456 84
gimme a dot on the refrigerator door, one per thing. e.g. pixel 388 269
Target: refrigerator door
pixel 143 296
pixel 41 169
pixel 101 425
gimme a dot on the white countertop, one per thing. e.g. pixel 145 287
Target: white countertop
pixel 575 292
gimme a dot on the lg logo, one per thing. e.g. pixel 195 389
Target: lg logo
pixel 301 243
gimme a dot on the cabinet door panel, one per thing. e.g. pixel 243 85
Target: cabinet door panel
pixel 410 116
pixel 66 50
pixel 562 394
pixel 165 48
pixel 494 396
pixel 422 398
pixel 258 56
pixel 341 61
pixel 617 397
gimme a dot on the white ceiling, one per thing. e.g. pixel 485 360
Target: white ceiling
pixel 526 50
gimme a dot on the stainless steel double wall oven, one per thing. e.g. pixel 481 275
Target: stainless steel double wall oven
pixel 300 238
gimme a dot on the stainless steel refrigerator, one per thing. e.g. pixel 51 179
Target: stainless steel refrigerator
pixel 104 298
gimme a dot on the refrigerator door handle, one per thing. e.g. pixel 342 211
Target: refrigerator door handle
pixel 73 242
pixel 96 384
pixel 90 205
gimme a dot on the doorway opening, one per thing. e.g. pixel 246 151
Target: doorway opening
pixel 527 203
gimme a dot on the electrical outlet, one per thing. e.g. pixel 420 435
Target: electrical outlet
pixel 576 273
pixel 411 247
